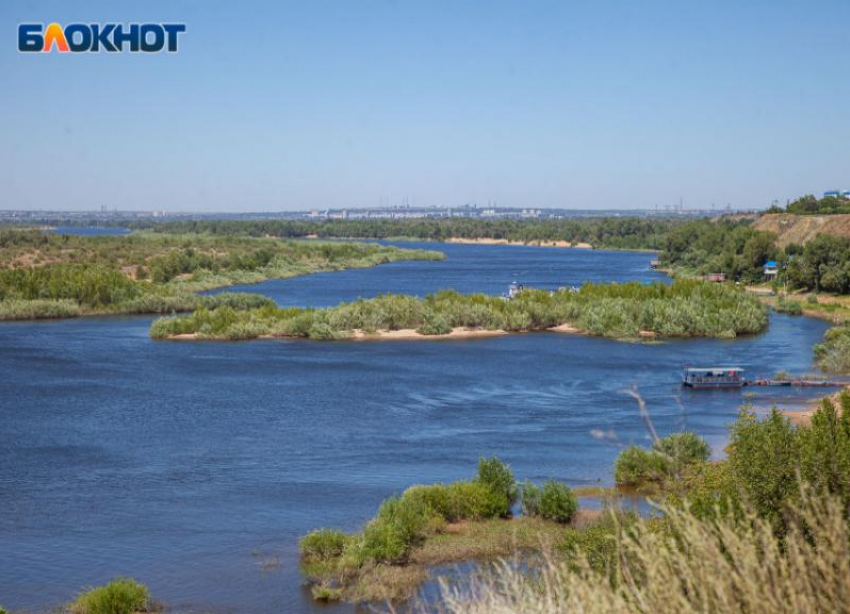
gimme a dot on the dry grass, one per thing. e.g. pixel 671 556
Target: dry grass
pixel 708 568
pixel 801 229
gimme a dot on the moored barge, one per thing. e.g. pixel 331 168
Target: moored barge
pixel 713 377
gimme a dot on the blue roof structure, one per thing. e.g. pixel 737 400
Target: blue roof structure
pixel 770 265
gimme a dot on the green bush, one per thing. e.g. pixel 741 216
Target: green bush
pixel 824 449
pixel 323 544
pixel 636 466
pixel 683 449
pixel 434 324
pixel 498 476
pixel 121 596
pixel 400 524
pixel 557 502
pixel 474 501
pixel 764 460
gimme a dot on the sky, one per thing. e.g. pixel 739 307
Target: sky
pixel 272 106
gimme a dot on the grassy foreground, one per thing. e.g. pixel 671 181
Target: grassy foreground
pixel 54 276
pixel 626 311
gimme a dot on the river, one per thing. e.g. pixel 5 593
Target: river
pixel 195 467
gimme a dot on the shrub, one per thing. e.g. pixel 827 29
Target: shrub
pixel 636 466
pixel 824 449
pixel 557 502
pixel 434 324
pixel 763 458
pixel 400 524
pixel 121 596
pixel 323 544
pixel 465 500
pixel 498 476
pixel 710 490
pixel 683 449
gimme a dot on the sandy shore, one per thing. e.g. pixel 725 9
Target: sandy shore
pixel 405 334
pixel 486 241
pixel 804 416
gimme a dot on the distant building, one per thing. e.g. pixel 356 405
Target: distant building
pixel 771 270
pixel 832 194
pixel 845 194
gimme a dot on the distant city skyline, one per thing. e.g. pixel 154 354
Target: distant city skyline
pixel 283 106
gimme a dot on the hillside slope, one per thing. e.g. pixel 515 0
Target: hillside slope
pixel 791 228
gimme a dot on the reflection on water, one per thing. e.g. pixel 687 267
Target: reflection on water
pixel 190 466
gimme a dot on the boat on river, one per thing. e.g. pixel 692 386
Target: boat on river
pixel 713 377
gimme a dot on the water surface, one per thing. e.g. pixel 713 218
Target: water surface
pixel 194 467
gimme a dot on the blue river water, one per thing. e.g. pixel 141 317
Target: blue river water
pixel 194 467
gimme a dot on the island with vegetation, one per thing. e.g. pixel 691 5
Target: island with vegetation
pixel 687 308
pixel 51 276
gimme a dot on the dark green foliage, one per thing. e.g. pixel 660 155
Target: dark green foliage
pixel 824 449
pixel 683 449
pixel 623 233
pixel 821 265
pixel 462 500
pixel 768 458
pixel 810 205
pixel 711 490
pixel 636 466
pixel 733 248
pixel 668 457
pixel 401 523
pixel 88 285
pixel 764 461
pixel 121 596
pixel 497 476
pixel 557 502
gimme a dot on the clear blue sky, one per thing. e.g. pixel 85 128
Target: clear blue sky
pixel 279 105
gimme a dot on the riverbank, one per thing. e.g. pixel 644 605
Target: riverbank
pixel 48 277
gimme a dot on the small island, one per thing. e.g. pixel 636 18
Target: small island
pixel 687 308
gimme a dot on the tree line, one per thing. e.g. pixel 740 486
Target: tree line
pixel 610 232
